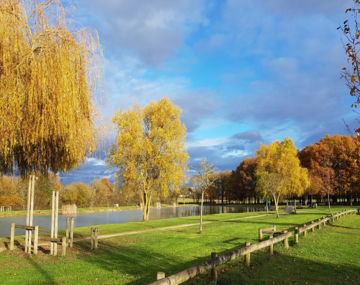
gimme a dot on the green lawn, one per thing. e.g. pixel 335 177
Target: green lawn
pixel 135 259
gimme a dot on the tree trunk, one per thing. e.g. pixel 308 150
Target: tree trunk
pixel 276 201
pixel 201 210
pixel 328 197
pixel 146 202
pixel 295 205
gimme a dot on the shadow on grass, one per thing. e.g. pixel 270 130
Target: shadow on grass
pixel 141 263
pixel 282 269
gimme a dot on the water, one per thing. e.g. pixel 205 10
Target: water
pixel 82 220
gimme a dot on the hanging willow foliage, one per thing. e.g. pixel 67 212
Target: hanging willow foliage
pixel 48 78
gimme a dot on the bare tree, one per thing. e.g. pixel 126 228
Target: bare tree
pixel 202 181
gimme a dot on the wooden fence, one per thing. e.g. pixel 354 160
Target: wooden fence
pixel 215 260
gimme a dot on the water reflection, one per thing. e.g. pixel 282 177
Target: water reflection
pixel 83 220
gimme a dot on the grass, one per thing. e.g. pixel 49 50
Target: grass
pixel 135 259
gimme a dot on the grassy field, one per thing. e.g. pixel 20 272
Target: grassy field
pixel 135 259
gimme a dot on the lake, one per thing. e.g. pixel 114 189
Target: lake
pixel 83 220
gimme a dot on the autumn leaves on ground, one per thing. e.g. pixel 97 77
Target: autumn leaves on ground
pixel 51 77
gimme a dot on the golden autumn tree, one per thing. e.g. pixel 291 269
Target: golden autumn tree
pixel 149 150
pixel 279 173
pixel 48 78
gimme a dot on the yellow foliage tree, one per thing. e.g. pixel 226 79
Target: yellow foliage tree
pixel 149 150
pixel 279 173
pixel 48 78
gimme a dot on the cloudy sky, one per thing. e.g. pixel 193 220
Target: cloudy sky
pixel 242 71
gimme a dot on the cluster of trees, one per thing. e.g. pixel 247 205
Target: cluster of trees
pixel 329 169
pixel 100 193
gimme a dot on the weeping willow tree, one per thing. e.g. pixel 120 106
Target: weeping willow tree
pixel 49 76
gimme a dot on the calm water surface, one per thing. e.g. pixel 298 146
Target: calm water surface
pixel 82 220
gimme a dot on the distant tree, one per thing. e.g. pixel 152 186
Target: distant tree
pixel 244 179
pixel 222 184
pixel 278 171
pixel 77 193
pixel 205 178
pixel 150 150
pixel 102 192
pixel 319 160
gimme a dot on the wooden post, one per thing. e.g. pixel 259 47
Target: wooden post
pixel 312 228
pixel 296 235
pixel 28 214
pixel 31 211
pixel 160 275
pixel 72 232
pixel 92 238
pixel 96 237
pixel 36 239
pixel 63 246
pixel 286 241
pixel 247 256
pixel 319 225
pixel 260 235
pixel 305 231
pixel 52 222
pixel 12 236
pixel 271 247
pixel 56 221
pixel 67 230
pixel 213 269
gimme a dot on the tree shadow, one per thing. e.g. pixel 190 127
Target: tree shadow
pixel 286 269
pixel 49 279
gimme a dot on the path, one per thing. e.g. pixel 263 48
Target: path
pixel 149 230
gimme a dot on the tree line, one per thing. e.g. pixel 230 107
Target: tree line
pixel 327 171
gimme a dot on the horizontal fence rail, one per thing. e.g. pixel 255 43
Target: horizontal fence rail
pixel 215 260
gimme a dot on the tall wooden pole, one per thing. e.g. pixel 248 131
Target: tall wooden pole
pixel 56 220
pixel 72 232
pixel 52 222
pixel 28 215
pixel 32 177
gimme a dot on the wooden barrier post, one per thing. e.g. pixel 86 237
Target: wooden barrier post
pixel 296 235
pixel 260 235
pixel 271 247
pixel 247 256
pixel 312 228
pixel 213 269
pixel 36 239
pixel 286 241
pixel 67 230
pixel 12 236
pixel 305 231
pixel 72 232
pixel 160 275
pixel 63 246
pixel 319 224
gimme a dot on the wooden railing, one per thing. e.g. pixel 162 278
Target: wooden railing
pixel 215 260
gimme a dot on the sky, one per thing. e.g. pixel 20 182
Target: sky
pixel 243 72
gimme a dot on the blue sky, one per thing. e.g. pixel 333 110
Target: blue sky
pixel 242 71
